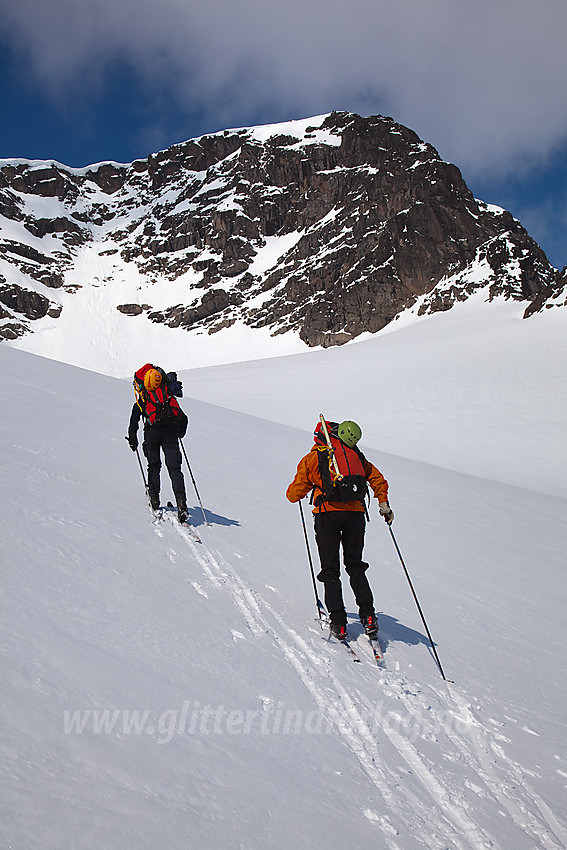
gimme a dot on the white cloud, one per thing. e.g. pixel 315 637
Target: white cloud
pixel 483 80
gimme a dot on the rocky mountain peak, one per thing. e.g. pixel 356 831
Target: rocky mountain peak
pixel 326 227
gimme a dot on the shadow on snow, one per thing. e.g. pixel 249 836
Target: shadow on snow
pixel 390 631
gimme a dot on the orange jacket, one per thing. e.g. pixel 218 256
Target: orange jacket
pixel 307 478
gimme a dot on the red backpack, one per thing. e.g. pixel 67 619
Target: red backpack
pixel 159 406
pixel 351 486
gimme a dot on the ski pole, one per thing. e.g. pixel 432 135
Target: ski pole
pixel 418 606
pixel 318 601
pixel 194 482
pixel 142 471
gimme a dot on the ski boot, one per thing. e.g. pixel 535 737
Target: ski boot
pixel 182 511
pixel 370 624
pixel 339 631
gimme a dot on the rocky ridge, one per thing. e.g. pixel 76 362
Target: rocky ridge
pixel 327 228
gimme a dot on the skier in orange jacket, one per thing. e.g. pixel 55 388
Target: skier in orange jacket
pixel 338 478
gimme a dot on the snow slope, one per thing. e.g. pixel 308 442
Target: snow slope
pixel 93 334
pixel 252 730
pixel 477 389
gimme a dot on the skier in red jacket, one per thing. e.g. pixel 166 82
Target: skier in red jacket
pixel 160 434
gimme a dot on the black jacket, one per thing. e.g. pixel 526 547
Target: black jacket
pixel 135 422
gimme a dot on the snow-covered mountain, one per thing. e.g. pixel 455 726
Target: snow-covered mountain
pixel 308 233
pixel 158 692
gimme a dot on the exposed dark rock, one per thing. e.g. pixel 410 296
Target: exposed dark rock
pixel 31 304
pixel 12 330
pixel 212 304
pixel 54 280
pixel 9 206
pixel 41 226
pixel 232 268
pixel 23 250
pixel 108 177
pixel 130 309
pixel 555 294
pixel 48 181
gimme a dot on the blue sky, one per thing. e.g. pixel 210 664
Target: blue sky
pixel 485 82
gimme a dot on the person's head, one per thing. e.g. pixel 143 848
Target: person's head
pixel 152 379
pixel 350 433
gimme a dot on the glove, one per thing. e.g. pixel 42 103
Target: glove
pixel 387 512
pixel 175 386
pixel 132 442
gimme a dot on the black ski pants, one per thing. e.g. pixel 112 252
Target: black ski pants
pixel 166 439
pixel 333 528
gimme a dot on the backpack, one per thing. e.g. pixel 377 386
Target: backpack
pixel 351 486
pixel 159 406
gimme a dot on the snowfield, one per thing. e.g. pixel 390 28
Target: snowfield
pixel 159 692
pixel 477 389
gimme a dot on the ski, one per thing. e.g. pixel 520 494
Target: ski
pixel 192 531
pixel 376 650
pixel 324 621
pixel 184 524
pixel 346 645
pixel 350 650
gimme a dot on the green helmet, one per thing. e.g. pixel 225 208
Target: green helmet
pixel 350 433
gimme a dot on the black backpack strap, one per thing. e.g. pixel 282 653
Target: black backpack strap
pixel 363 461
pixel 325 475
pixel 317 501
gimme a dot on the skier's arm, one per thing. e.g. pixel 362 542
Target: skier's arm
pixel 183 422
pixel 134 422
pixel 377 482
pixel 302 484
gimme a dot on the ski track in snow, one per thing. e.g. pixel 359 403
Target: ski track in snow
pixel 250 604
pixel 443 815
pixel 486 754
